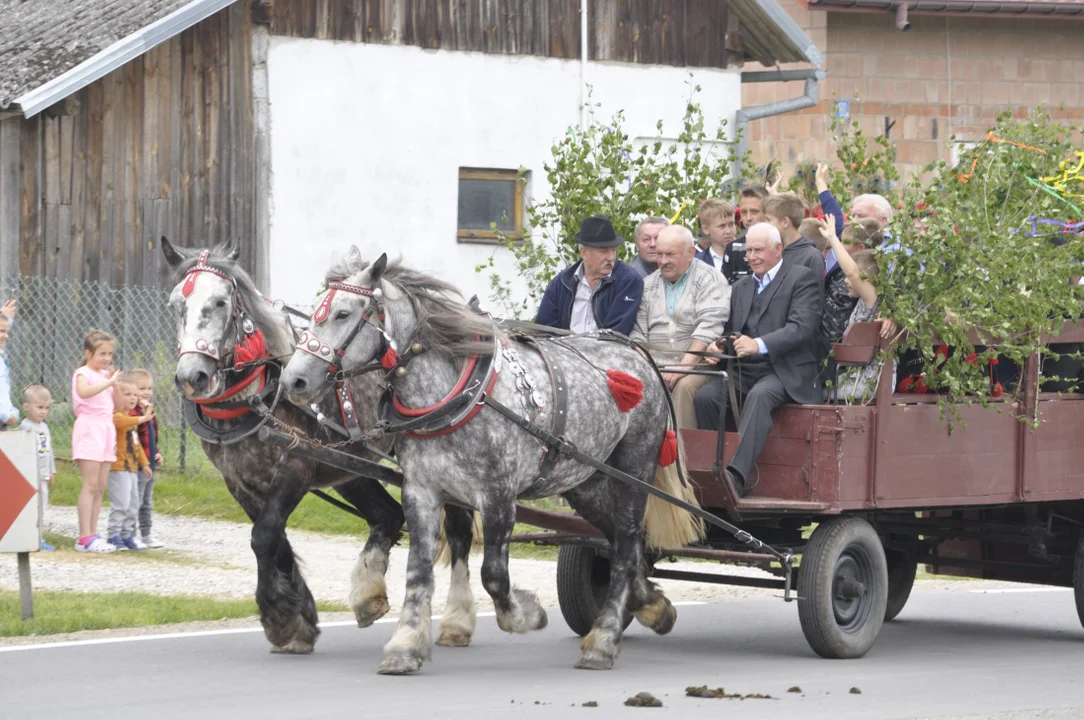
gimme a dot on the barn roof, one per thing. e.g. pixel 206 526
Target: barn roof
pixel 1054 9
pixel 51 48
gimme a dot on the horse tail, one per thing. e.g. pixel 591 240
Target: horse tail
pixel 444 551
pixel 667 526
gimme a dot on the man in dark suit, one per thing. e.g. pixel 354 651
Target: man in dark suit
pixel 774 316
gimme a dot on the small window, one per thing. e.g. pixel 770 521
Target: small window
pixel 488 197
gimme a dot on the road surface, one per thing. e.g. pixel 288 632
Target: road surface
pixel 952 653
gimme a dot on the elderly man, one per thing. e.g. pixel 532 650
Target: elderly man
pixel 646 234
pixel 684 307
pixel 599 291
pixel 774 315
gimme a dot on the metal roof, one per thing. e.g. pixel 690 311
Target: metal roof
pixel 771 36
pixel 51 49
pixel 1068 9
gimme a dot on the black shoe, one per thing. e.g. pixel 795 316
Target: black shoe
pixel 737 483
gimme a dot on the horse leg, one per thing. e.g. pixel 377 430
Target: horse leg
pixel 647 602
pixel 518 610
pixel 460 613
pixel 368 590
pixel 410 645
pixel 287 610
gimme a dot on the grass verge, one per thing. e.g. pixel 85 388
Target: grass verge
pixel 62 612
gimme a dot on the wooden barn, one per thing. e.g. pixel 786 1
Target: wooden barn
pixel 279 123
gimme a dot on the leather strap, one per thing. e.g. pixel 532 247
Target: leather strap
pixel 559 415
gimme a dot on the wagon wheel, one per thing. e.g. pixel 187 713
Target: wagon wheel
pixel 902 566
pixel 843 584
pixel 1078 579
pixel 583 579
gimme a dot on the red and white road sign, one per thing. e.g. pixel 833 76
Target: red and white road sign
pixel 19 529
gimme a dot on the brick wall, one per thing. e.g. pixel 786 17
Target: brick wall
pixel 948 75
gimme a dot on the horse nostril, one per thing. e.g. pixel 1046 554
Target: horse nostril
pixel 200 380
pixel 299 385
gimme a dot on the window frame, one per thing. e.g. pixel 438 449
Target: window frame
pixel 490 237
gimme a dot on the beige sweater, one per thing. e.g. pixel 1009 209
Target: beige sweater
pixel 700 314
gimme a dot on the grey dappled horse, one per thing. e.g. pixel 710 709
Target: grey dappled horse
pixel 489 462
pixel 217 305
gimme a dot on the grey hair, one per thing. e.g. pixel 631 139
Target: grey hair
pixel 884 208
pixel 445 326
pixel 683 231
pixel 774 238
pixel 650 220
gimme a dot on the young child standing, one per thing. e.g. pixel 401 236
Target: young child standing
pixel 9 416
pixel 36 402
pixel 124 498
pixel 94 438
pixel 148 438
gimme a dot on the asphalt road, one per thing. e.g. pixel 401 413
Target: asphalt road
pixel 952 653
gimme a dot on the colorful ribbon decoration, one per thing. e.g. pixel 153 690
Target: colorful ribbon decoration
pixel 994 138
pixel 1060 184
pixel 1076 228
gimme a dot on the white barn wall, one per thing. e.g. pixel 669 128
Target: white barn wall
pixel 367 141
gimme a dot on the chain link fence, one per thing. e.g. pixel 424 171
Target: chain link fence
pixel 46 344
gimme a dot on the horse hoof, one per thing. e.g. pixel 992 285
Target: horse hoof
pixel 453 637
pixel 667 621
pixel 594 661
pixel 659 616
pixel 294 647
pixel 400 665
pixel 369 611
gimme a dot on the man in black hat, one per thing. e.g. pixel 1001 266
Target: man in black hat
pixel 599 291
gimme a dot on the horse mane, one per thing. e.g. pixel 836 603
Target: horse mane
pixel 446 326
pixel 279 340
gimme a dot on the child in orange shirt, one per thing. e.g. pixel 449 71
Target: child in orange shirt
pixel 123 486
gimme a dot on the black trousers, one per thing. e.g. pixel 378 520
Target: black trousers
pixel 760 394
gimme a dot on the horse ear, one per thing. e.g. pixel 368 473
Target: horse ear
pixel 172 255
pixel 233 252
pixel 378 268
pixel 353 257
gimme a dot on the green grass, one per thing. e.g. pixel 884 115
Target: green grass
pixel 61 612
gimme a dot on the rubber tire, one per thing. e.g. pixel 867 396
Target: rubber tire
pixel 845 538
pixel 580 589
pixel 1078 579
pixel 902 567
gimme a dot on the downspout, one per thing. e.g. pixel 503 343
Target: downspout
pixel 583 65
pixel 742 117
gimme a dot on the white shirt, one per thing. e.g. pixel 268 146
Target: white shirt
pixel 717 259
pixel 762 285
pixel 583 315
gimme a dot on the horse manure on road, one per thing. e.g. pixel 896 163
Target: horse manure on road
pixel 719 693
pixel 590 703
pixel 644 699
pixel 855 691
pixel 794 689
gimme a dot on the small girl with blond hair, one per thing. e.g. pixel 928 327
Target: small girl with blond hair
pixel 94 438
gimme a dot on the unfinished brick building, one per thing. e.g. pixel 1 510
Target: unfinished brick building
pixel 938 69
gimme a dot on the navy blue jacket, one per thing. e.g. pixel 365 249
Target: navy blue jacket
pixel 614 303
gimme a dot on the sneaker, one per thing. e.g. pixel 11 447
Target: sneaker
pixel 46 546
pixel 133 543
pixel 152 542
pixel 96 545
pixel 117 543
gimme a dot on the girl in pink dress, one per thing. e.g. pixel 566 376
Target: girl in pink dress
pixel 94 439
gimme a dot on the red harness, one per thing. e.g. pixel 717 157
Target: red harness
pixel 461 383
pixel 252 348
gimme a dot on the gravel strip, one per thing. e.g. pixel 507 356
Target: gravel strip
pixel 212 558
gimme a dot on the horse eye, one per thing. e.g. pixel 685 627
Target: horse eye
pixel 220 303
pixel 342 315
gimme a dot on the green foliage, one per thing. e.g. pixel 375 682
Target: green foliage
pixel 866 165
pixel 967 263
pixel 597 170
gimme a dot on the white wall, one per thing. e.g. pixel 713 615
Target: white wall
pixel 367 141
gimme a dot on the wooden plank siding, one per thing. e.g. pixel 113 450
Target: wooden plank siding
pixel 164 145
pixel 682 33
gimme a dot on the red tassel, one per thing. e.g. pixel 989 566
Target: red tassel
pixel 669 451
pixel 998 390
pixel 251 348
pixel 627 390
pixel 390 359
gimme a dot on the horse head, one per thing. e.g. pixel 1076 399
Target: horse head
pixel 220 318
pixel 349 330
